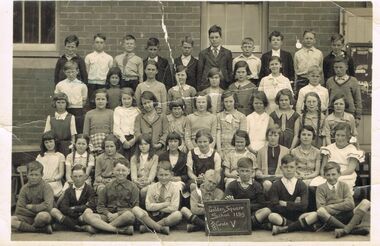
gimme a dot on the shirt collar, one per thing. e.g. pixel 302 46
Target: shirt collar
pixel 78 188
pixel 288 113
pixel 154 59
pixel 129 54
pixel 60 116
pixel 165 186
pixel 287 181
pixel 309 49
pixel 249 182
pixel 185 57
pixel 202 155
pixel 217 48
pixel 276 52
pixel 184 87
pixel 74 81
pixel 343 78
pixel 84 155
pixel 251 57
pixel 331 187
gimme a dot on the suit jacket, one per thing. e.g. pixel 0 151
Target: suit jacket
pixel 191 70
pixel 287 64
pixel 180 168
pixel 207 60
pixel 86 200
pixel 164 74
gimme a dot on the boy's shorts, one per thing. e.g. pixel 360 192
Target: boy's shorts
pixel 157 216
pixel 26 219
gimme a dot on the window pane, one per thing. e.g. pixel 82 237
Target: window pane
pixel 47 22
pixel 31 22
pixel 233 34
pixel 17 22
pixel 252 20
pixel 217 15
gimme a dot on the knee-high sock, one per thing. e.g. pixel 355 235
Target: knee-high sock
pixel 150 223
pixel 332 221
pixel 197 221
pixel 356 219
pixel 67 221
pixel 25 227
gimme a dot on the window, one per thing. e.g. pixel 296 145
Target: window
pixel 238 20
pixel 34 25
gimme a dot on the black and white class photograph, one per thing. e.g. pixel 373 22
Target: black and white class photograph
pixel 190 121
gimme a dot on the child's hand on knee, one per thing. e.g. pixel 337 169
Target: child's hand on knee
pixel 229 198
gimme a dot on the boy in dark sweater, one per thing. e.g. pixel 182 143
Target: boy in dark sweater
pixel 34 203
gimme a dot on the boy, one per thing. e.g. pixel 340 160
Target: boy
pixel 97 64
pixel 276 40
pixel 334 204
pixel 337 44
pixel 164 74
pixel 254 63
pixel 188 61
pixel 207 192
pixel 71 45
pixel 348 85
pixel 162 199
pixel 78 199
pixel 305 58
pixel 214 56
pixel 131 65
pixel 288 196
pixel 34 203
pixel 76 92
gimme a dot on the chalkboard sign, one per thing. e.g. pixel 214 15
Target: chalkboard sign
pixel 229 217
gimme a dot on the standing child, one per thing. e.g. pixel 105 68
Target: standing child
pixel 97 65
pixel 285 117
pixel 71 45
pixel 34 203
pixel 53 162
pixel 314 76
pixel 177 121
pixel 98 122
pixel 113 87
pixel 200 119
pixel 164 74
pixel 349 86
pixel 130 64
pixel 62 124
pixel 228 122
pixel 258 121
pixel 243 87
pixel 151 122
pixel 214 91
pixel 214 56
pixel 76 93
pixel 182 90
pixel 311 115
pixel 124 117
pixel 254 63
pixel 274 82
pixel 187 61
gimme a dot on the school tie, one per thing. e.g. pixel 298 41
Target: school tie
pixel 333 189
pixel 215 52
pixel 125 61
pixel 161 196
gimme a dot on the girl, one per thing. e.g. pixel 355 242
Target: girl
pixel 154 86
pixel 308 157
pixel 182 90
pixel 61 123
pixel 98 122
pixel 312 116
pixel 339 115
pixel 53 162
pixel 113 87
pixel 144 164
pixel 240 141
pixel 343 153
pixel 200 119
pixel 105 162
pixel 214 91
pixel 177 121
pixel 124 122
pixel 202 158
pixel 151 122
pixel 274 82
pixel 258 121
pixel 228 121
pixel 243 87
pixel 285 117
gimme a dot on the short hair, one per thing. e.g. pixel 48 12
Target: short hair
pixel 60 96
pixel 275 34
pixel 309 31
pixel 34 166
pixel 123 161
pixel 214 71
pixel 203 94
pixel 49 135
pixel 204 133
pixel 148 95
pixel 273 129
pixel 307 128
pixel 187 39
pixel 331 165
pixel 314 68
pixel 213 175
pixel 338 96
pixel 240 64
pixel 165 165
pixel 259 95
pixel 248 40
pixel 341 59
pixel 242 134
pixel 288 158
pixel 337 37
pixel 151 62
pixel 72 39
pixel 152 41
pixel 215 28
pixel 78 167
pixel 229 93
pixel 100 35
pixel 245 162
pixel 112 71
pixel 343 126
pixel 180 68
pixel 112 138
pixel 70 65
pixel 103 91
pixel 177 103
pixel 81 136
pixel 148 139
pixel 173 136
pixel 129 37
pixel 275 58
pixel 284 92
pixel 129 91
